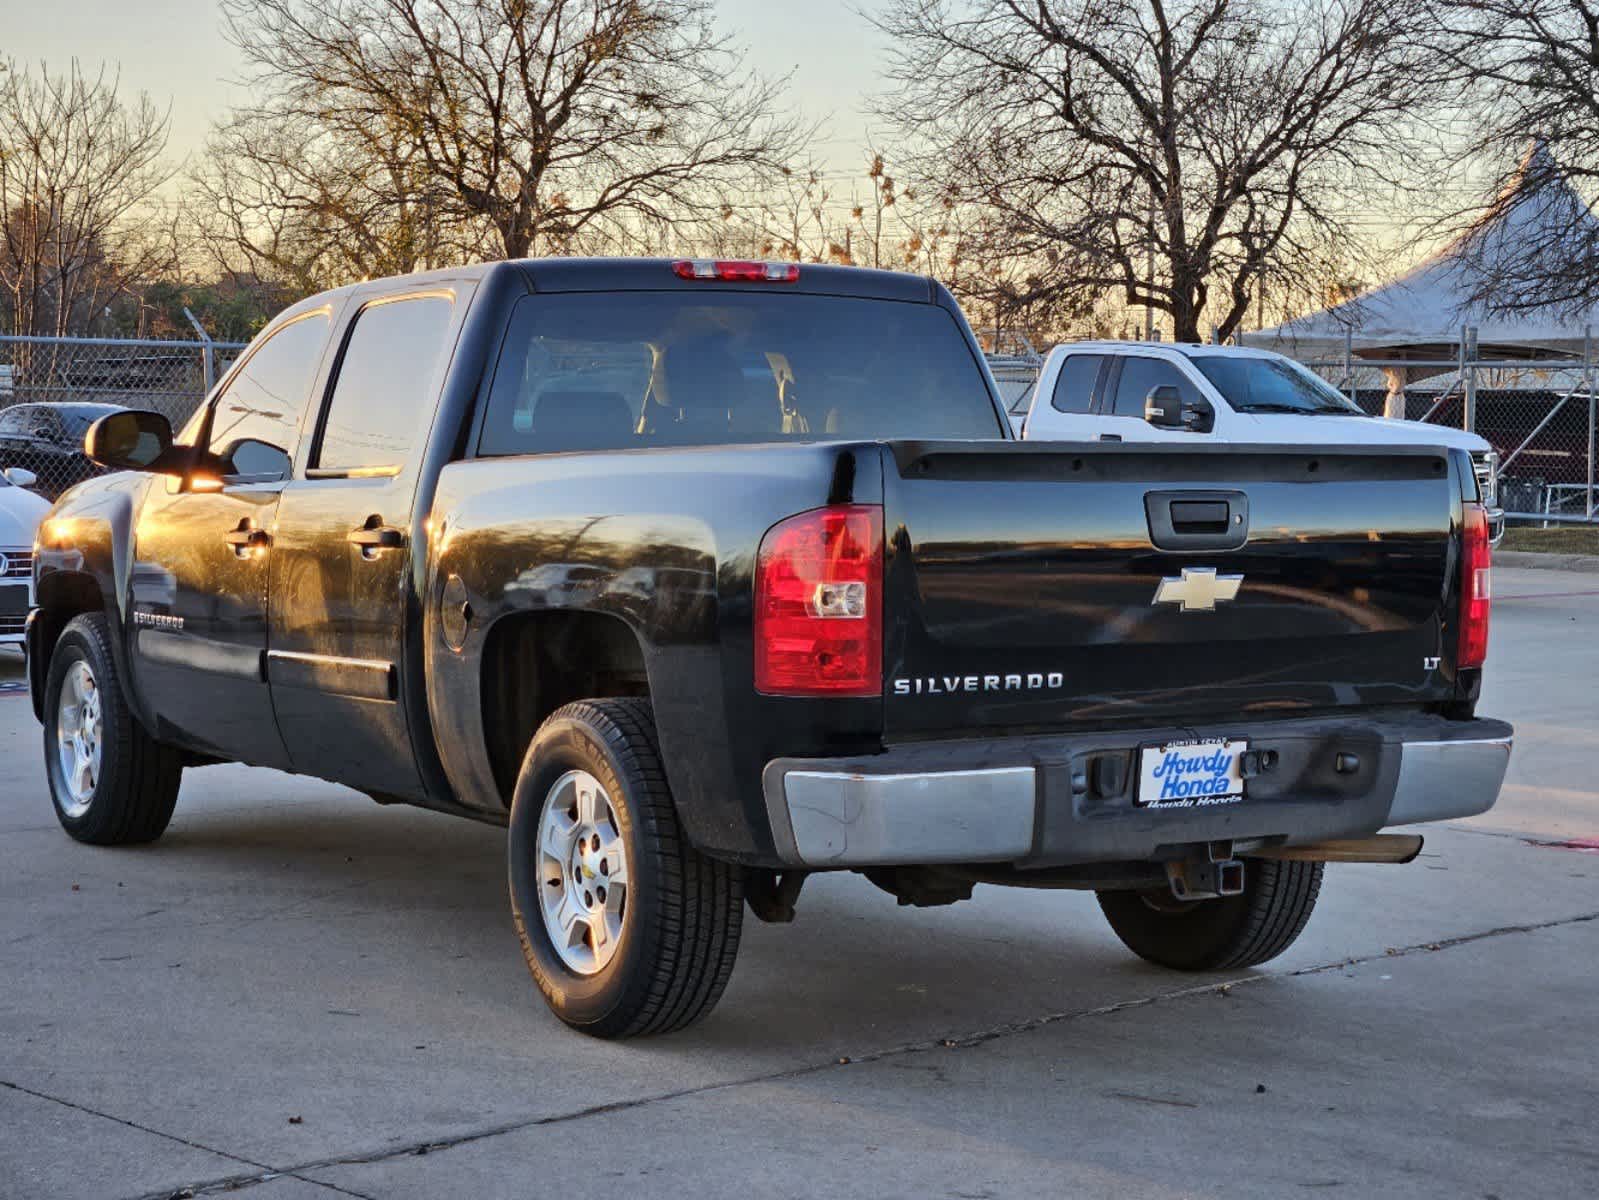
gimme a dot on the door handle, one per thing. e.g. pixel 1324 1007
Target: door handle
pixel 246 538
pixel 1110 437
pixel 372 537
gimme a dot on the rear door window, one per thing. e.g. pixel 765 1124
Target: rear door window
pixel 1074 387
pixel 383 394
pixel 609 371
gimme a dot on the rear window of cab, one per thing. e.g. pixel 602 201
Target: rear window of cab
pixel 621 370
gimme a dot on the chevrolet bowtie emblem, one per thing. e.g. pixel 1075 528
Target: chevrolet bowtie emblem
pixel 1199 589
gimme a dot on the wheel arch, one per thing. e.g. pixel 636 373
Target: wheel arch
pixel 83 560
pixel 60 596
pixel 534 661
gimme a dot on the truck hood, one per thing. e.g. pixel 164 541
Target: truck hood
pixel 1345 431
pixel 20 514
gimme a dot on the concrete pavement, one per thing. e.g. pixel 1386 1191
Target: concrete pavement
pixel 297 993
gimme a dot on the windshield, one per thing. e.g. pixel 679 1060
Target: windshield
pixel 615 370
pixel 1273 385
pixel 78 420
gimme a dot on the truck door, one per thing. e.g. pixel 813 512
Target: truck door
pixel 1121 410
pixel 202 552
pixel 343 592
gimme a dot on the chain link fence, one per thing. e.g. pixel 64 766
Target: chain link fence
pixel 1541 416
pixel 52 389
pixel 1015 375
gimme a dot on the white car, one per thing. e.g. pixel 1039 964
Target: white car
pixel 1192 393
pixel 20 514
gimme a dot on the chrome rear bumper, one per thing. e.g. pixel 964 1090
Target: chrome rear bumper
pixel 1441 781
pixel 925 805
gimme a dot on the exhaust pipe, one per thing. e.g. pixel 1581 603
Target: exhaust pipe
pixel 1378 848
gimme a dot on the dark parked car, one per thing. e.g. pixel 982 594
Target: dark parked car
pixel 545 544
pixel 47 439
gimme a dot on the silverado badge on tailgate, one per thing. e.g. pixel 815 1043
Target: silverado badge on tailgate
pixel 1191 774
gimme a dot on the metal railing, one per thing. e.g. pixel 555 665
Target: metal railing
pixel 44 382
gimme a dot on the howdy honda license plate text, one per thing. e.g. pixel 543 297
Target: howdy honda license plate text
pixel 1191 774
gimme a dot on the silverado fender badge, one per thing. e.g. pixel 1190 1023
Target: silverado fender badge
pixel 150 620
pixel 1199 589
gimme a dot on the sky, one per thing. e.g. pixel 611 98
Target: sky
pixel 174 49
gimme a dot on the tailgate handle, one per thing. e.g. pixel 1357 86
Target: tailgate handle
pixel 1201 516
pixel 1197 520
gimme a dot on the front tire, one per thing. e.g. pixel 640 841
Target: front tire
pixel 626 928
pixel 111 783
pixel 1222 934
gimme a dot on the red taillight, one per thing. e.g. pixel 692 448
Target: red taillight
pixel 733 271
pixel 819 604
pixel 1476 587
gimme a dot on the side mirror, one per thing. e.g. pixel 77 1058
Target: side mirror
pixel 133 440
pixel 21 477
pixel 1165 408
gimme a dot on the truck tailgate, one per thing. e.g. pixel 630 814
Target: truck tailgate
pixel 1032 585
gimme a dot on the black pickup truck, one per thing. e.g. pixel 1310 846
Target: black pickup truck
pixel 702 576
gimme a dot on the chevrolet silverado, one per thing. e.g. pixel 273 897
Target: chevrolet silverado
pixel 702 576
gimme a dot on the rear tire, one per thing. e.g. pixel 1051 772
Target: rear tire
pixel 111 783
pixel 626 928
pixel 1223 934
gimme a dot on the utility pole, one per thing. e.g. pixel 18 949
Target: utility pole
pixel 1149 272
pixel 1468 363
pixel 1593 410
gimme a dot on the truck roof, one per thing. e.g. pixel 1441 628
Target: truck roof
pixel 647 274
pixel 1186 349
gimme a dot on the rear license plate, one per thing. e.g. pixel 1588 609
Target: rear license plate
pixel 1191 774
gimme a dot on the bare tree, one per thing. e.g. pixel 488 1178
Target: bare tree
pixel 1182 154
pixel 554 122
pixel 78 170
pixel 286 198
pixel 1530 73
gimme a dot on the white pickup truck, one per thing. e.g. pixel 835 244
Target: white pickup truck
pixel 1190 392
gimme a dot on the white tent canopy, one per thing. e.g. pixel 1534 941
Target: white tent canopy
pixel 1427 308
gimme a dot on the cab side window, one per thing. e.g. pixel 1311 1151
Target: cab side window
pixel 385 386
pixel 1074 387
pixel 1140 376
pixel 257 420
